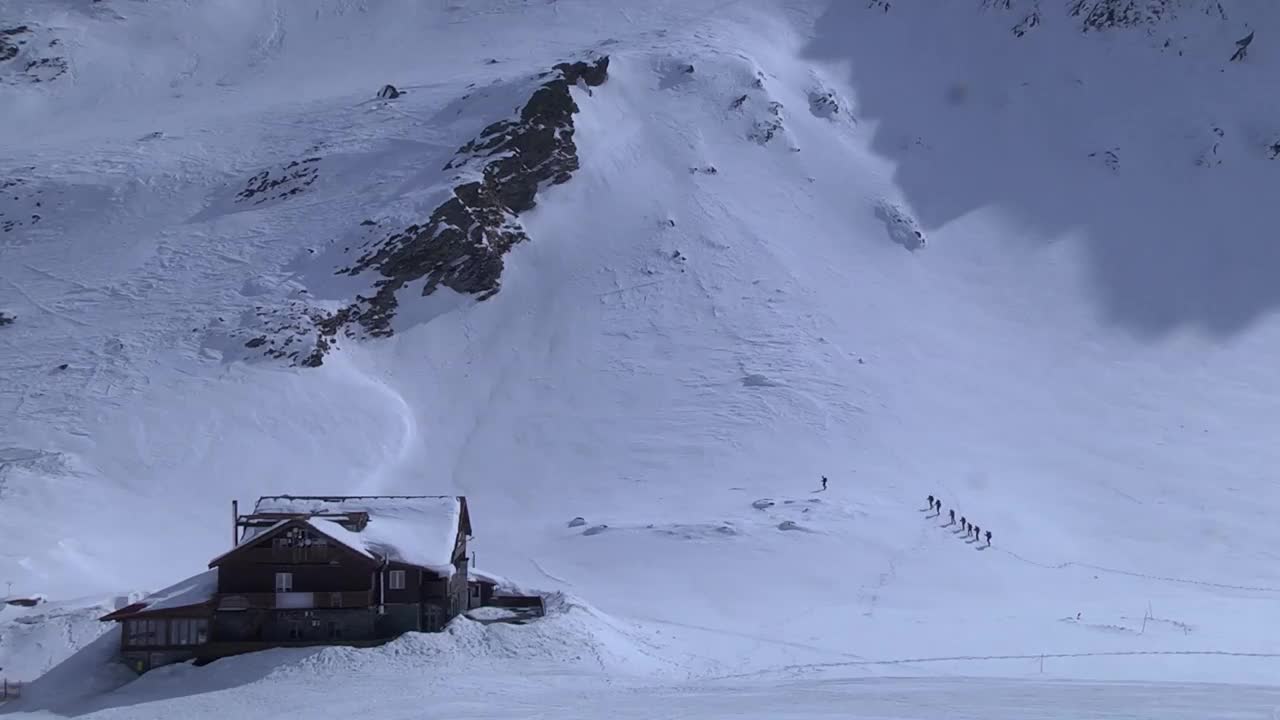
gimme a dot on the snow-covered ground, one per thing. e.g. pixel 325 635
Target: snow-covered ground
pixel 963 249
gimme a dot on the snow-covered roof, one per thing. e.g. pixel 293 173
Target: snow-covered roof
pixel 253 532
pixel 195 590
pixel 192 591
pixel 416 530
pixel 482 576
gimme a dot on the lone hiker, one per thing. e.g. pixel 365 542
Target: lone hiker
pixel 824 482
pixel 988 538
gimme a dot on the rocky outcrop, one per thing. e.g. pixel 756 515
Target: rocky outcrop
pixel 35 62
pixel 1104 14
pixel 20 204
pixel 281 183
pixel 10 40
pixel 463 243
pixel 901 225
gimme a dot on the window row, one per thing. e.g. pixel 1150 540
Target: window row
pixel 284 581
pixel 175 631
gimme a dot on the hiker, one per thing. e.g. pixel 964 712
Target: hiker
pixel 964 524
pixel 988 538
pixel 930 502
pixel 824 482
pixel 939 508
pixel 953 517
pixel 976 532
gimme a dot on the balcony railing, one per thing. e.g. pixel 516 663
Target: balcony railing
pixel 296 600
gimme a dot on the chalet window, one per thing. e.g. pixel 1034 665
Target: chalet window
pixel 145 632
pixel 179 631
pixel 284 582
pixel 397 579
pixel 135 632
pixel 188 631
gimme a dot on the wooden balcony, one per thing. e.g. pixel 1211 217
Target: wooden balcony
pixel 318 554
pixel 296 600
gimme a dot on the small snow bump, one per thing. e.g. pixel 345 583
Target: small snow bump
pixel 756 380
pixel 901 226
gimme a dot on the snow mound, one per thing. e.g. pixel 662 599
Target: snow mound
pixel 34 640
pixel 571 635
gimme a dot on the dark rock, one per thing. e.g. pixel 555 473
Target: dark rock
pixel 389 92
pixel 6 319
pixel 824 103
pixel 738 102
pixel 9 48
pixel 463 243
pixel 63 366
pixel 286 182
pixel 45 69
pixel 577 522
pixel 1106 14
pixel 1242 48
pixel 368 222
pixel 593 74
pixel 256 342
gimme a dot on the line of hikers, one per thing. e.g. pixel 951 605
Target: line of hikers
pixel 970 530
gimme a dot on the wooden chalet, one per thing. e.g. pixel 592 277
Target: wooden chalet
pixel 313 570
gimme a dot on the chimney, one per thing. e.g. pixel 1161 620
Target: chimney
pixel 235 523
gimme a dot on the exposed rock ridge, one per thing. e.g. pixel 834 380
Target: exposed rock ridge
pixel 463 243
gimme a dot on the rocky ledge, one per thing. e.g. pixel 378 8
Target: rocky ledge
pixel 11 40
pixel 463 244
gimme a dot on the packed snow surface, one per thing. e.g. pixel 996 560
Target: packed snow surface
pixel 1014 257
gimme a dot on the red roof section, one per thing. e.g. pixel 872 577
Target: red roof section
pixel 123 612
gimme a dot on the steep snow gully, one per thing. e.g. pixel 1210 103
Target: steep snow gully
pixel 633 277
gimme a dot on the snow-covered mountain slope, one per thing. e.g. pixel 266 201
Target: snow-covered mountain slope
pixel 1025 266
